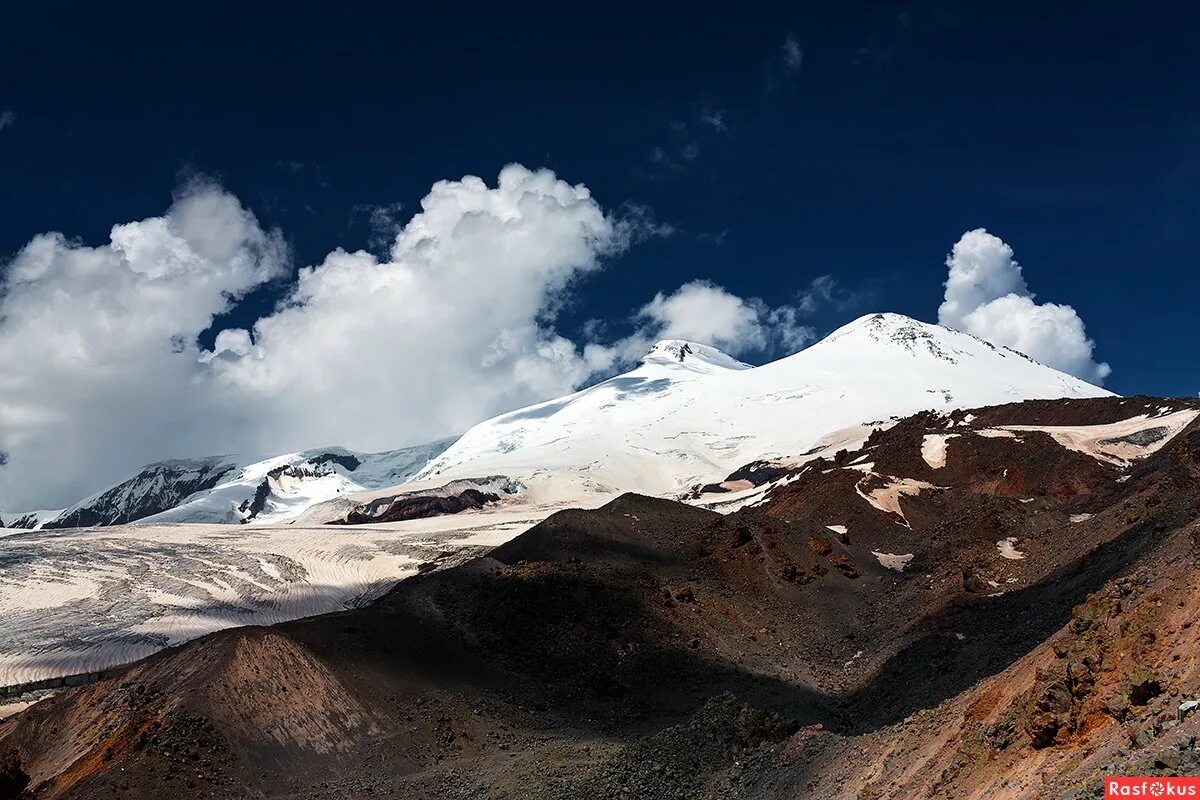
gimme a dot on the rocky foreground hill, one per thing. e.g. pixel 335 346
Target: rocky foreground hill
pixel 994 603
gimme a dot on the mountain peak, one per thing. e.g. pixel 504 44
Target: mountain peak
pixel 882 323
pixel 690 355
pixel 916 337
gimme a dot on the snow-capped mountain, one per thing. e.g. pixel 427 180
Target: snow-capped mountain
pixel 690 413
pixel 237 489
pixel 28 520
pixel 156 487
pixel 280 488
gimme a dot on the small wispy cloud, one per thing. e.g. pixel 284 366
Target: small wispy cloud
pixel 784 65
pixel 892 32
pixel 636 223
pixel 715 119
pixel 825 291
pixel 793 55
pixel 383 222
pixel 687 138
pixel 872 55
pixel 7 119
pixel 662 162
pixel 717 238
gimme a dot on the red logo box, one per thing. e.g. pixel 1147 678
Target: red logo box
pixel 1151 787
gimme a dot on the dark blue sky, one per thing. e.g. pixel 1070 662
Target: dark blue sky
pixel 1071 131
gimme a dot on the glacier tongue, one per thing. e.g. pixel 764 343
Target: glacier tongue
pixel 691 414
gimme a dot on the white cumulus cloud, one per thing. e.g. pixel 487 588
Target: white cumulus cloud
pixel 707 313
pixel 451 328
pixel 986 295
pixel 703 312
pixel 100 371
pixel 98 356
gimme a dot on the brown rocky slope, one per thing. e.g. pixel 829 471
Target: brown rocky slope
pixel 1013 622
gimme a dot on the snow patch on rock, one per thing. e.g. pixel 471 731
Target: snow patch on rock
pixel 892 560
pixel 1008 549
pixel 933 448
pixel 1121 442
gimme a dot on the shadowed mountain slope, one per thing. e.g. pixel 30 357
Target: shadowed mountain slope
pixel 984 603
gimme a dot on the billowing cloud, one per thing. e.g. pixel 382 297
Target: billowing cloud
pixel 986 295
pixel 707 313
pixel 451 328
pixel 100 370
pixel 98 356
pixel 701 311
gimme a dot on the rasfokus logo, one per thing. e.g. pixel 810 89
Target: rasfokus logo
pixel 1151 787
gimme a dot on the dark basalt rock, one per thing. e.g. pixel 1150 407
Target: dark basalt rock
pixel 418 507
pixel 759 472
pixel 252 508
pixel 348 462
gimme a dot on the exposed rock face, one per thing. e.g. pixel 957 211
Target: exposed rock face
pixel 418 507
pixel 312 468
pixel 156 488
pixel 655 650
pixel 345 460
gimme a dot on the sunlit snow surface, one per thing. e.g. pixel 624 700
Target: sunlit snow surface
pixel 677 421
pixel 80 600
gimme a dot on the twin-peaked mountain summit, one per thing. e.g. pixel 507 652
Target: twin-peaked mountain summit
pixel 687 415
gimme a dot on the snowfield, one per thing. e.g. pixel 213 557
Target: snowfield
pixel 691 414
pixel 78 600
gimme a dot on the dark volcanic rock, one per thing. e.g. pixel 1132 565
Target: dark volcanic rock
pixel 418 507
pixel 347 461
